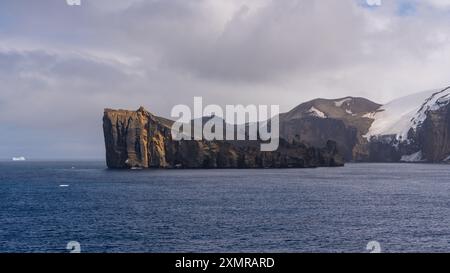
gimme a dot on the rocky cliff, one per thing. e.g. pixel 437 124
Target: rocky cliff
pixel 138 139
pixel 414 128
pixel 433 136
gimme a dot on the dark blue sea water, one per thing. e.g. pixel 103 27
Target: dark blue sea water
pixel 406 208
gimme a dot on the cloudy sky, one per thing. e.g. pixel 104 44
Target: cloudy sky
pixel 60 65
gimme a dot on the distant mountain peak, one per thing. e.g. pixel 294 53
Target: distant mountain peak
pixel 334 108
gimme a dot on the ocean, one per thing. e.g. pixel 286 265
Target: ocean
pixel 46 205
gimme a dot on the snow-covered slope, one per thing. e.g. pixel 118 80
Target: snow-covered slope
pixel 401 115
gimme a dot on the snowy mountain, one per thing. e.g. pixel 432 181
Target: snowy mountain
pixel 407 113
pixel 414 128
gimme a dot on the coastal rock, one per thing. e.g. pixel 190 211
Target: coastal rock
pixel 138 139
pixel 433 137
pixel 415 128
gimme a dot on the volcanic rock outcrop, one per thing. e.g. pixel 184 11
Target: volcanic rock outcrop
pixel 415 128
pixel 138 139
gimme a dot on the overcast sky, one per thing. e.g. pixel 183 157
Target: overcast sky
pixel 60 65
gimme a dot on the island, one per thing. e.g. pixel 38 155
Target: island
pixel 139 139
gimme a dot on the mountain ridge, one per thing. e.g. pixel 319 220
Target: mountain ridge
pixel 397 131
pixel 413 128
pixel 139 139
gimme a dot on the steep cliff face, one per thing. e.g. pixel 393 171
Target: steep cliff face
pixel 138 139
pixel 434 135
pixel 126 138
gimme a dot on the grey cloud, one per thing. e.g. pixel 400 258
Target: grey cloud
pixel 252 45
pixel 62 65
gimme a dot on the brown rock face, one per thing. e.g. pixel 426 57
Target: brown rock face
pixel 343 120
pixel 434 135
pixel 138 139
pixel 126 138
pixel 317 132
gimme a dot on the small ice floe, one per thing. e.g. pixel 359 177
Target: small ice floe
pixel 64 186
pixel 20 158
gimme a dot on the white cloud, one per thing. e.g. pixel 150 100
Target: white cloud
pixel 374 2
pixel 440 3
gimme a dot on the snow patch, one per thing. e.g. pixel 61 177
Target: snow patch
pixel 341 102
pixel 370 115
pixel 348 111
pixel 416 157
pixel 313 111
